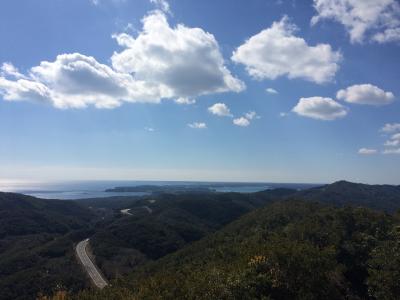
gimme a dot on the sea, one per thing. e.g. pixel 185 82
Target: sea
pixel 72 190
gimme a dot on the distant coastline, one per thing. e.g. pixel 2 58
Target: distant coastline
pixel 71 190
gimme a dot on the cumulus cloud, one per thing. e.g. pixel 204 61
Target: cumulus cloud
pixel 198 125
pixel 251 115
pixel 393 141
pixel 220 109
pixel 245 120
pixel 276 52
pixel 391 127
pixel 367 151
pixel 160 63
pixel 98 2
pixel 365 94
pixel 377 20
pixel 23 89
pixel 392 145
pixel 76 81
pixel 185 100
pixel 320 108
pixel 162 4
pixel 271 91
pixel 242 122
pixel 180 61
pixel 391 151
pixel 8 69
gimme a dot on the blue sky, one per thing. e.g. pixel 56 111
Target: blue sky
pixel 279 91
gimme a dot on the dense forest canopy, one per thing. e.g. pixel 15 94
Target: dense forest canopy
pixel 339 241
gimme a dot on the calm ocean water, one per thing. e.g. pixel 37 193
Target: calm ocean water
pixel 96 189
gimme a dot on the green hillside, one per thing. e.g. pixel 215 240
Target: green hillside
pixel 125 242
pixel 287 250
pixel 36 245
pixel 379 197
pixel 276 244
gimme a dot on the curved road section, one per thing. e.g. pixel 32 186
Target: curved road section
pixel 89 266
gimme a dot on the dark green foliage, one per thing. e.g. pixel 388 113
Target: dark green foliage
pixel 188 247
pixel 124 243
pixel 36 245
pixel 287 250
pixel 109 202
pixel 379 197
pixel 21 215
pixel 384 271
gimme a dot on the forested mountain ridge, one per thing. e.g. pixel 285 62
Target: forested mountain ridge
pixel 194 245
pixel 287 250
pixel 36 245
pixel 125 242
pixel 20 214
pixel 379 197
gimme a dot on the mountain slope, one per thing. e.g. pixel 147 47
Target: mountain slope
pixel 379 197
pixel 36 245
pixel 287 250
pixel 21 214
pixel 175 220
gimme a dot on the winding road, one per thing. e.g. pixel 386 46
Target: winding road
pixel 89 266
pixel 87 263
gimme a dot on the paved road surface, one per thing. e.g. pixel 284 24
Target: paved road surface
pixel 90 268
pixel 126 212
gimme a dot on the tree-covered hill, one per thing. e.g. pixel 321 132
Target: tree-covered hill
pixel 36 245
pixel 287 250
pixel 169 222
pixel 379 197
pixel 277 243
pixel 20 215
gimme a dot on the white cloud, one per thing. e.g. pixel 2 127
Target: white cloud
pixel 251 115
pixel 149 129
pixel 271 91
pixel 162 4
pixel 393 141
pixel 8 69
pixel 98 2
pixel 391 127
pixel 160 63
pixel 220 109
pixel 389 35
pixel 391 151
pixel 245 120
pixel 185 100
pixel 283 114
pixel 276 52
pixel 367 151
pixel 242 121
pixel 378 20
pixel 320 108
pixel 198 125
pixel 180 61
pixel 23 89
pixel 365 94
pixel 76 81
